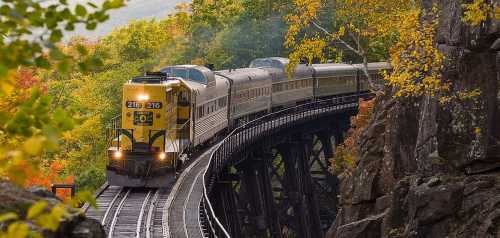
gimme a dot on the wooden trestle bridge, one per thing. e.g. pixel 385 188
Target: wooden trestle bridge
pixel 267 178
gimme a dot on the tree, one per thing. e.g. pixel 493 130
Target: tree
pixel 395 30
pixel 29 125
pixel 29 31
pixel 346 156
pixel 364 28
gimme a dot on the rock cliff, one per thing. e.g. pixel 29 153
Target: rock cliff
pixel 432 170
pixel 15 199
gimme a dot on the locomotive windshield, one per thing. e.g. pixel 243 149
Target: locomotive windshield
pixel 188 74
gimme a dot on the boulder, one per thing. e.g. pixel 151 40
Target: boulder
pixel 18 200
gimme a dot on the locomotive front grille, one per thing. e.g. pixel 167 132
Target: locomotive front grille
pixel 137 164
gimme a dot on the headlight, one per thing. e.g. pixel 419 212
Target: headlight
pixel 162 156
pixel 117 154
pixel 143 97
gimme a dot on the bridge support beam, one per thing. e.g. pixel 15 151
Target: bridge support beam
pixel 273 221
pixel 226 204
pixel 256 196
pixel 298 186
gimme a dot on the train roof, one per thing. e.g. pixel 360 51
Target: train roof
pixel 270 62
pixel 245 75
pixel 375 66
pixel 334 69
pixel 196 73
pixel 277 66
pixel 343 69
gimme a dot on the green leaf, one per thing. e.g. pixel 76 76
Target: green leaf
pixel 63 121
pixel 3 70
pixel 70 27
pixel 63 67
pixel 56 54
pixel 91 26
pixel 113 4
pixel 82 49
pixel 42 62
pixel 8 217
pixel 86 196
pixel 55 36
pixel 36 209
pixel 92 5
pixel 4 10
pixel 80 10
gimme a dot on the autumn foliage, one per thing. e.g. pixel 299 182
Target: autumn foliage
pixel 346 154
pixel 51 174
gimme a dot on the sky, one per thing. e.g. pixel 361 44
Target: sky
pixel 135 10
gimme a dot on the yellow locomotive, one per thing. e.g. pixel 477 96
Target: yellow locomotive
pixel 167 114
pixel 147 141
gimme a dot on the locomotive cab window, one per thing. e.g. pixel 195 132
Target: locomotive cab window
pixel 169 97
pixel 183 99
pixel 197 76
pixel 177 72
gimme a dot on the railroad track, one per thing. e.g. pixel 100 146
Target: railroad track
pixel 153 213
pixel 130 212
pixel 183 204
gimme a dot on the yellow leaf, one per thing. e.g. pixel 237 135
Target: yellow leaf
pixel 33 146
pixel 17 230
pixel 8 216
pixel 7 83
pixel 36 209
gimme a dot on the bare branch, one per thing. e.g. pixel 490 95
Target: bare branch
pixel 375 88
pixel 349 47
pixel 360 52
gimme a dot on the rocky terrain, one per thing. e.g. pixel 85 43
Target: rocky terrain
pixel 431 170
pixel 18 200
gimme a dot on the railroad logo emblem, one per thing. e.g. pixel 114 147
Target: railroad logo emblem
pixel 143 118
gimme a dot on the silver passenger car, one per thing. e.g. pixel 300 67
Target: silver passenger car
pixel 333 79
pixel 250 92
pixel 375 70
pixel 287 90
pixel 209 100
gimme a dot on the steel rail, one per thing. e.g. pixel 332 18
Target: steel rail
pixel 141 214
pixel 186 203
pixel 98 193
pixel 110 206
pixel 117 213
pixel 150 217
pixel 173 195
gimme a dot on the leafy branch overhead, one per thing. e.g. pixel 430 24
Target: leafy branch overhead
pixel 30 124
pixel 31 29
pixel 397 31
pixel 360 31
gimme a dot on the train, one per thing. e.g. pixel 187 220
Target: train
pixel 169 114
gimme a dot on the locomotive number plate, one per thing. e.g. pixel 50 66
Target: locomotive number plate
pixel 134 104
pixel 143 118
pixel 153 105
